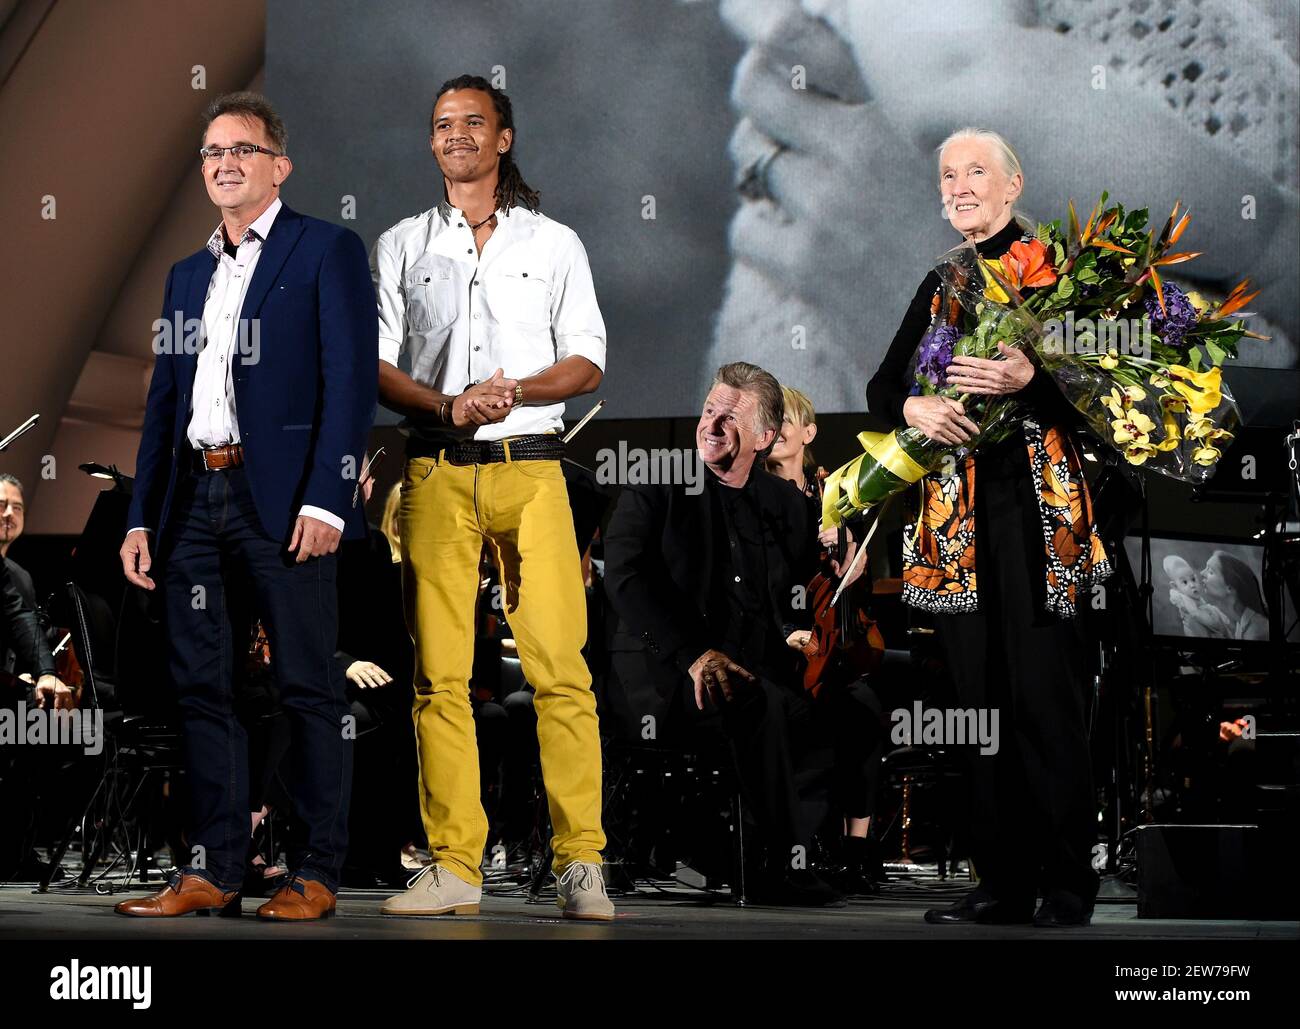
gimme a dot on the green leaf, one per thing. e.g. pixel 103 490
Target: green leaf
pixel 1194 361
pixel 1216 352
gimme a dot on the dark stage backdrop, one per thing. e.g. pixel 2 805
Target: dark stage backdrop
pixel 756 179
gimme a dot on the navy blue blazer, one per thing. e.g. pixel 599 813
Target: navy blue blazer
pixel 305 405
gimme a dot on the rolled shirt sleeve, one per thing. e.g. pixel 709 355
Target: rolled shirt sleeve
pixel 386 274
pixel 575 316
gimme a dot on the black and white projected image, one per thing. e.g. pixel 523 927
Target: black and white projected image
pixel 756 179
pixel 1206 589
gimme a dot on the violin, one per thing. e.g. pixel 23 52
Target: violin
pixel 259 648
pixel 66 667
pixel 845 643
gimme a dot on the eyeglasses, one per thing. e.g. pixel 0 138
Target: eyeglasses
pixel 242 152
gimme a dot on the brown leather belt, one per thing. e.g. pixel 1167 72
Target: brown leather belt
pixel 215 459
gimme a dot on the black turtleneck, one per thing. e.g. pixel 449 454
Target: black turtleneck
pixel 892 383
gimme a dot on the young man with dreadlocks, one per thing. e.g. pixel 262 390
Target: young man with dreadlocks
pixel 493 304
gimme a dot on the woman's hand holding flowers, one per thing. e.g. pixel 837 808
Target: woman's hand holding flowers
pixel 982 377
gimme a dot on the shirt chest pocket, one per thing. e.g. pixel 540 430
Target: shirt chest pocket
pixel 520 296
pixel 430 297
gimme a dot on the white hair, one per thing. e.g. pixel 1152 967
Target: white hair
pixel 1007 157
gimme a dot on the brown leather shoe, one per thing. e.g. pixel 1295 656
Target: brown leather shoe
pixel 299 900
pixel 182 894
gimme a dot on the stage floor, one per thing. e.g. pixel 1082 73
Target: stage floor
pixel 63 915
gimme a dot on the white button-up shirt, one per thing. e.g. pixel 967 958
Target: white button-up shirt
pixel 213 419
pixel 524 304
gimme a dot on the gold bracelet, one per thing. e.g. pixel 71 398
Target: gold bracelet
pixel 519 393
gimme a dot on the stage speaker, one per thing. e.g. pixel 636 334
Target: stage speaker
pixel 1215 872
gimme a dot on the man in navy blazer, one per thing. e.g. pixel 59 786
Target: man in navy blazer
pixel 263 393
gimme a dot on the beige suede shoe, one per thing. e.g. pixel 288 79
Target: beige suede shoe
pixel 580 893
pixel 435 891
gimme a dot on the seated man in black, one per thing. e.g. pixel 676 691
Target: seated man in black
pixel 707 585
pixel 24 651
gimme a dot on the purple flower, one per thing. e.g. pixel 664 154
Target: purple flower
pixel 934 354
pixel 1179 314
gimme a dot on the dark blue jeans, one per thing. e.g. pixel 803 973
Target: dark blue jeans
pixel 219 566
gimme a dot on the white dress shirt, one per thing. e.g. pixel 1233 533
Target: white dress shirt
pixel 213 419
pixel 524 304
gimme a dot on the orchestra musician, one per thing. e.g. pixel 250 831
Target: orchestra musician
pixel 857 768
pixel 29 676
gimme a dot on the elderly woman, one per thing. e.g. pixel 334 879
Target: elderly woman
pixel 1011 638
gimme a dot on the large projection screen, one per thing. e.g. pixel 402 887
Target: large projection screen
pixel 756 179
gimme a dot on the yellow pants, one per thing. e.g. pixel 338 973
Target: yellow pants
pixel 521 510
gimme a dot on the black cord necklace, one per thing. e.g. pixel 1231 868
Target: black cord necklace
pixel 475 228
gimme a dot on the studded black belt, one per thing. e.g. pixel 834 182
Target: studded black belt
pixel 542 447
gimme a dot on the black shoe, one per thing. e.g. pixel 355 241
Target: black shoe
pixel 978 908
pixel 31 869
pixel 1062 910
pixel 796 888
pixel 862 871
pixel 850 881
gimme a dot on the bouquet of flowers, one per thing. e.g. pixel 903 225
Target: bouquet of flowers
pixel 1140 359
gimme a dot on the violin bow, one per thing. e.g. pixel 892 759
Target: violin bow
pixel 862 553
pixel 585 419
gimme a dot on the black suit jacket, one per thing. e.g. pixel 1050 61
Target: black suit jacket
pixel 660 563
pixel 20 628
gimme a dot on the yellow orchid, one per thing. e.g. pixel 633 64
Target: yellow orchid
pixel 1198 428
pixel 1121 398
pixel 1137 453
pixel 1172 438
pixel 1109 360
pixel 1201 390
pixel 1206 456
pixel 1158 380
pixel 1173 402
pixel 1133 427
pixel 1198 302
pixel 1114 402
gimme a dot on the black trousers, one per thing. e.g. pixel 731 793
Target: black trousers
pixel 219 563
pixel 1033 811
pixel 797 759
pixel 800 758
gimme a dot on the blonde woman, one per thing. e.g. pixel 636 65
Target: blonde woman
pixel 791 458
